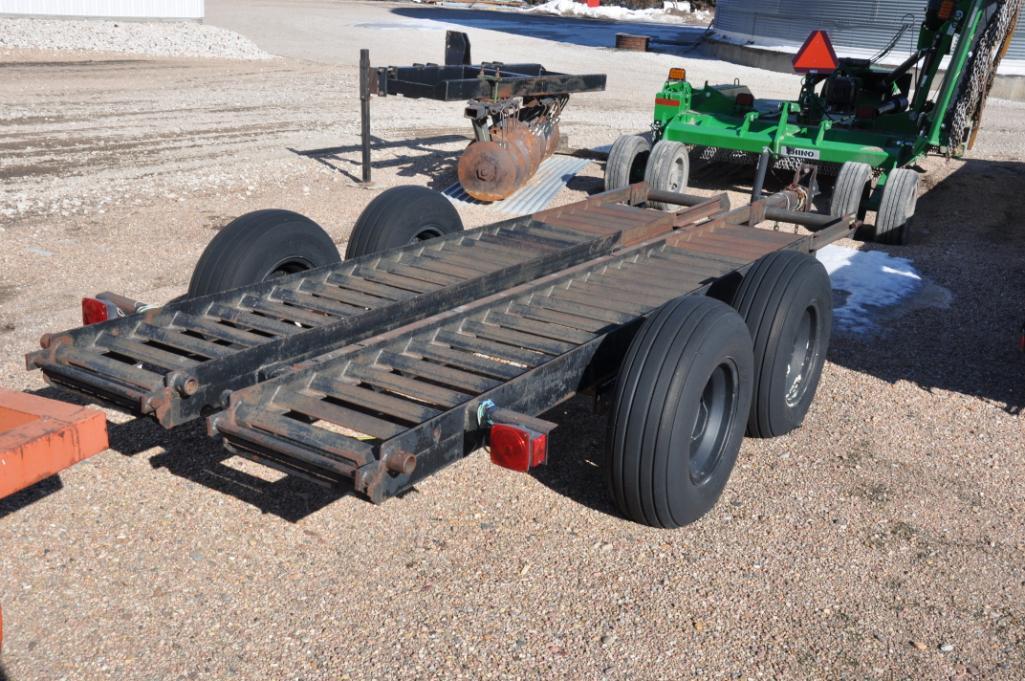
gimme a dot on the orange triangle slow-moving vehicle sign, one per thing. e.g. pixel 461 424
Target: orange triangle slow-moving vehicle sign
pixel 816 55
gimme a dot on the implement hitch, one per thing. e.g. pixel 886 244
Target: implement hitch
pixel 514 110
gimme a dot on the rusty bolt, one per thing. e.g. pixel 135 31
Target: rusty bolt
pixel 45 340
pixel 184 384
pixel 403 463
pixel 189 387
pixel 486 171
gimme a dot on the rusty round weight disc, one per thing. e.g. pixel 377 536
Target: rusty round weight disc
pixel 519 149
pixel 553 140
pixel 489 171
pixel 517 138
pixel 540 143
pixel 522 136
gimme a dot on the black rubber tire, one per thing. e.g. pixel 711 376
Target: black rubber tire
pixel 260 245
pixel 679 352
pixel 850 195
pixel 897 208
pixel 668 170
pixel 627 161
pixel 401 216
pixel 786 300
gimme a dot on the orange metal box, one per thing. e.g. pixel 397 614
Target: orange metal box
pixel 40 437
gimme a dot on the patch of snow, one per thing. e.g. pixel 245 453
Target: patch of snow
pixel 671 12
pixel 872 280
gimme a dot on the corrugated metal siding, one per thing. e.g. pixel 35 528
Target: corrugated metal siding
pixel 870 24
pixel 128 9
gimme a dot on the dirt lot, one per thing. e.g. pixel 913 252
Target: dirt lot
pixel 883 540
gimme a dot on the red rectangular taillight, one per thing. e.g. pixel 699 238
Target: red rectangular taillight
pixel 745 100
pixel 517 448
pixel 95 311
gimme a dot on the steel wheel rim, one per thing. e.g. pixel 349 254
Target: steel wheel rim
pixel 425 233
pixel 711 427
pixel 802 357
pixel 288 266
pixel 676 175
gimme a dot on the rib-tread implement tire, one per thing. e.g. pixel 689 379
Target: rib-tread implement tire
pixel 850 195
pixel 401 216
pixel 682 398
pixel 627 160
pixel 786 300
pixel 258 246
pixel 668 170
pixel 897 208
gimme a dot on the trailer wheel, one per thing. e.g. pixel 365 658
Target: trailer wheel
pixel 259 246
pixel 682 399
pixel 786 300
pixel 853 186
pixel 401 216
pixel 627 160
pixel 897 208
pixel 668 170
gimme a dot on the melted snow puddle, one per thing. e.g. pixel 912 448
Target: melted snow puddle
pixel 869 286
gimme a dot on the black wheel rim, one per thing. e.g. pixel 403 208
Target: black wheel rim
pixel 425 233
pixel 288 266
pixel 716 411
pixel 802 358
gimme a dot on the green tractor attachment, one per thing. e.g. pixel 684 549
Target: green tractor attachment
pixel 866 124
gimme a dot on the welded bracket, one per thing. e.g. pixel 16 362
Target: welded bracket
pixel 457 49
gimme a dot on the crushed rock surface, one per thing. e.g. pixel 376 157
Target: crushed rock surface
pixel 157 38
pixel 883 540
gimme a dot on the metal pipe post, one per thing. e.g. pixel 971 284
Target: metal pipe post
pixel 364 109
pixel 763 167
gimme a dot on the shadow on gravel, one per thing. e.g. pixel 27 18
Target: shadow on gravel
pixel 735 177
pixel 190 454
pixel 27 497
pixel 970 239
pixel 3 674
pixel 676 39
pixel 576 450
pixel 419 157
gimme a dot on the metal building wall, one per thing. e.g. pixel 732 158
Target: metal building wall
pixel 121 9
pixel 867 24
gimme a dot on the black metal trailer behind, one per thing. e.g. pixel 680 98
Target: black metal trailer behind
pixel 380 370
pixel 514 108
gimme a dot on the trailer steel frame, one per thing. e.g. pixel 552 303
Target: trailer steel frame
pixel 373 372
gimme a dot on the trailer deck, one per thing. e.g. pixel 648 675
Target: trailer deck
pixel 404 399
pixel 375 372
pixel 174 362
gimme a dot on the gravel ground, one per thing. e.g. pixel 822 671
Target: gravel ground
pixel 161 39
pixel 883 540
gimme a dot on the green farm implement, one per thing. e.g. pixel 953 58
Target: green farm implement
pixel 866 124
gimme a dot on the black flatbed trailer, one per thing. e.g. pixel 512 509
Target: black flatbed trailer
pixel 379 371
